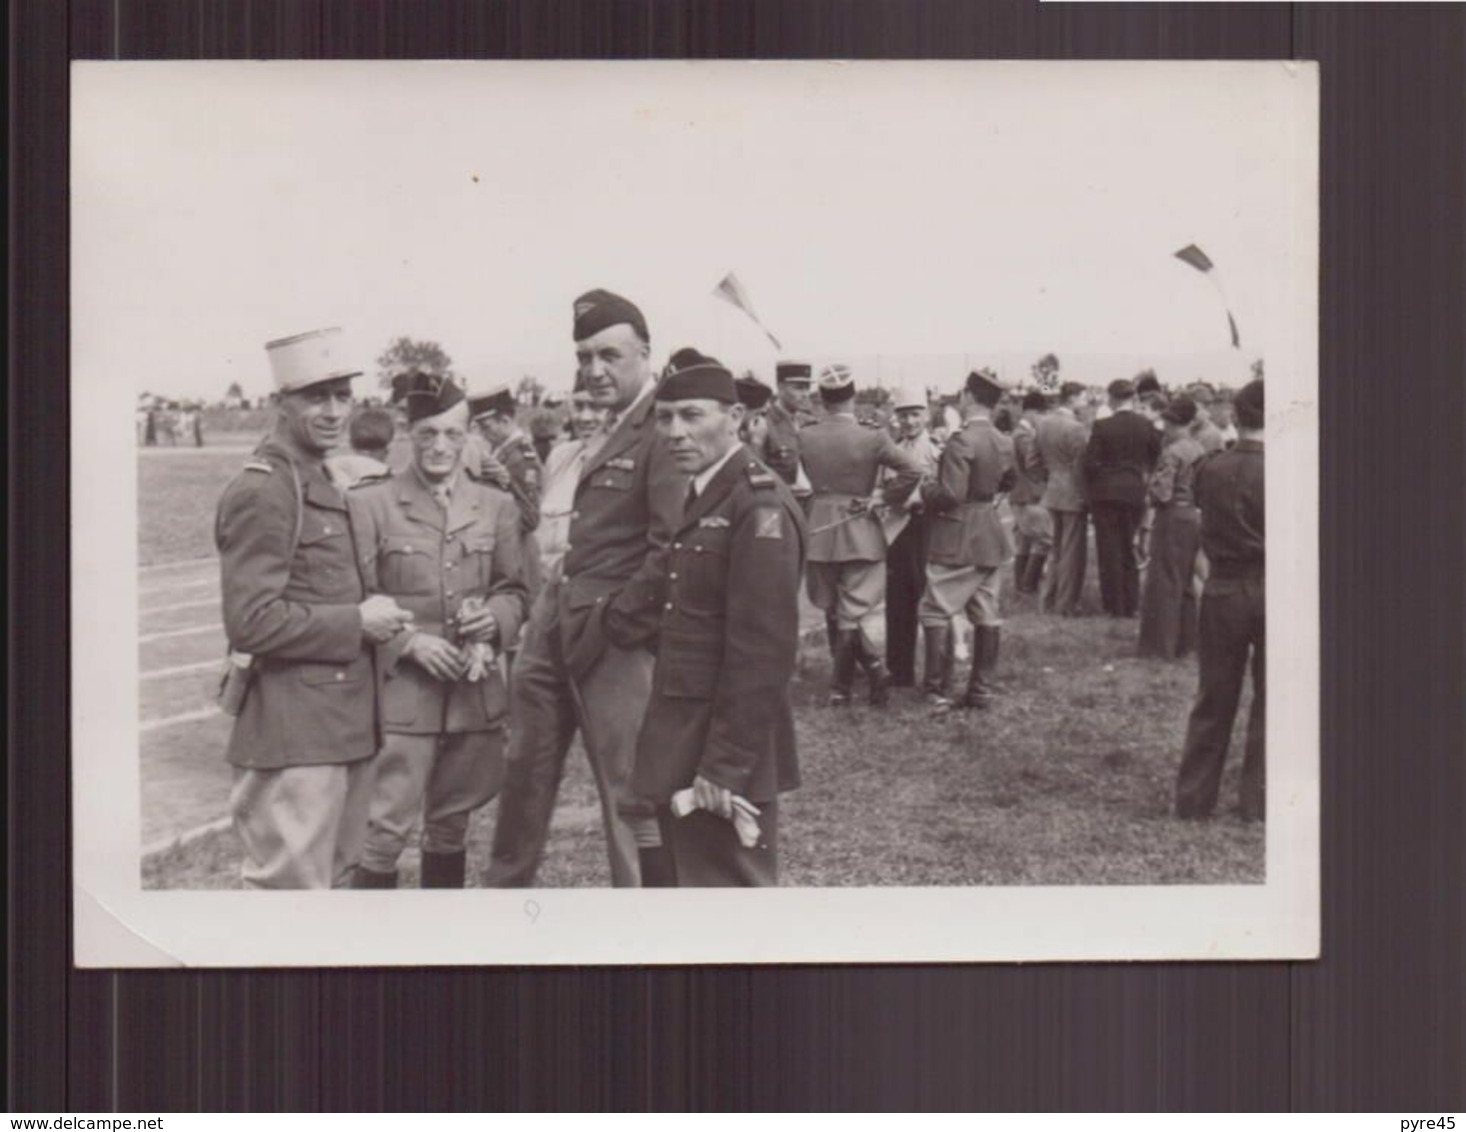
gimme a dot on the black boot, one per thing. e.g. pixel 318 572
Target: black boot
pixel 657 869
pixel 875 672
pixel 846 643
pixel 1036 571
pixel 980 687
pixel 444 870
pixel 832 632
pixel 938 668
pixel 1020 573
pixel 366 878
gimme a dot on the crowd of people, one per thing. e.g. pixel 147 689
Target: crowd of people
pixel 407 645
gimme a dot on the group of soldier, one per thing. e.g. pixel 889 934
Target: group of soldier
pixel 407 646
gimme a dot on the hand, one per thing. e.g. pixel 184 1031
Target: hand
pixel 480 625
pixel 491 468
pixel 382 618
pixel 758 432
pixel 712 797
pixel 437 657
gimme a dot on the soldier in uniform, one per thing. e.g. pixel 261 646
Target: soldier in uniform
pixel 724 613
pixel 1233 627
pixel 1032 522
pixel 847 547
pixel 568 677
pixel 754 396
pixel 507 457
pixel 448 548
pixel 789 413
pixel 967 545
pixel 295 606
pixel 371 433
pixel 906 554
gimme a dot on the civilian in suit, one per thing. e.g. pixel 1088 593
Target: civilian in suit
pixel 1032 523
pixel 568 677
pixel 906 555
pixel 1058 449
pixel 1122 452
pixel 1168 604
pixel 434 538
pixel 1233 628
pixel 724 617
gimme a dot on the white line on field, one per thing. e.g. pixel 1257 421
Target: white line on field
pixel 182 605
pixel 180 669
pixel 169 587
pixel 187 837
pixel 190 631
pixel 158 567
pixel 174 720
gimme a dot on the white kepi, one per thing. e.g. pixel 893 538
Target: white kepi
pixel 308 359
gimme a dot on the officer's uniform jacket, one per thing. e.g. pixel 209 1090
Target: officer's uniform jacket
pixel 1059 447
pixel 311 699
pixel 526 477
pixel 724 617
pixel 1231 495
pixel 781 442
pixel 1031 476
pixel 429 562
pixel 964 528
pixel 1122 452
pixel 628 502
pixel 843 460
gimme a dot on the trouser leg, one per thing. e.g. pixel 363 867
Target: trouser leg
pixel 289 821
pixel 403 767
pixel 467 774
pixel 1253 794
pixel 905 577
pixel 706 852
pixel 1107 534
pixel 543 724
pixel 1129 520
pixel 1223 663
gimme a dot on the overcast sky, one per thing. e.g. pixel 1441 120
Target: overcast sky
pixel 987 211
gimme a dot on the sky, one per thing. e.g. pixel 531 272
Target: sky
pixel 905 214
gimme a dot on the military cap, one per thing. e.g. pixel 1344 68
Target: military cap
pixel 308 359
pixel 800 372
pixel 1248 405
pixel 1180 410
pixel 837 380
pixel 691 376
pixel 753 394
pixel 500 399
pixel 428 394
pixel 904 398
pixel 984 387
pixel 596 310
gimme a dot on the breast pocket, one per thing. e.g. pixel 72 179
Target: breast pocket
pixel 478 562
pixel 613 479
pixel 405 566
pixel 703 566
pixel 323 556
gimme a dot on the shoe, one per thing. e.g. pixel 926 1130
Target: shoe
pixel 846 642
pixel 444 870
pixel 1036 563
pixel 367 878
pixel 980 688
pixel 875 673
pixel 1020 573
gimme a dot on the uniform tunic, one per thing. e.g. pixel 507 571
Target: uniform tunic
pixel 1168 603
pixel 1059 447
pixel 781 444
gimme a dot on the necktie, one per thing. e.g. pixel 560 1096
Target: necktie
pixel 441 494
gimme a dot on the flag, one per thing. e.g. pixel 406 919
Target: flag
pixel 1193 256
pixel 731 290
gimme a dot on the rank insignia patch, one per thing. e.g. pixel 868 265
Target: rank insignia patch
pixel 769 524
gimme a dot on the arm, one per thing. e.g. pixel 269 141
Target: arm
pixel 1163 480
pixel 254 532
pixel 953 472
pixel 760 644
pixel 905 473
pixel 508 596
pixel 666 490
pixel 524 486
pixel 366 533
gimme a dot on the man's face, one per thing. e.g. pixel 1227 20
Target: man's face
pixel 794 396
pixel 698 432
pixel 613 364
pixel 437 442
pixel 1219 412
pixel 910 422
pixel 585 416
pixel 494 429
pixel 315 417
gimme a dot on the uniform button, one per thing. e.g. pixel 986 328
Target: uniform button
pixel 672 576
pixel 676 546
pixel 340 676
pixel 575 514
pixel 449 538
pixel 668 605
pixel 568 548
pixel 448 565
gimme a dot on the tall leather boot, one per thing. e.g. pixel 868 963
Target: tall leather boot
pixel 444 870
pixel 937 670
pixel 657 867
pixel 846 643
pixel 1020 572
pixel 876 676
pixel 1036 571
pixel 366 878
pixel 980 687
pixel 832 632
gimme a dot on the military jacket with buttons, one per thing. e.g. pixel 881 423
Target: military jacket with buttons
pixel 430 561
pixel 722 608
pixel 311 698
pixel 781 443
pixel 964 526
pixel 843 460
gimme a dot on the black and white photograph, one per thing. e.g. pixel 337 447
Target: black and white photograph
pixel 516 505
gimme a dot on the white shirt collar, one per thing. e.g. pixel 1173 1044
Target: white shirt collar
pixel 703 478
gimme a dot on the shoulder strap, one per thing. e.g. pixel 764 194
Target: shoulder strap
pixel 299 507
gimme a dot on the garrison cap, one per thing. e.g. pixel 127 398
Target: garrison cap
pixel 596 310
pixel 428 394
pixel 984 386
pixel 800 372
pixel 753 394
pixel 691 376
pixel 308 359
pixel 500 399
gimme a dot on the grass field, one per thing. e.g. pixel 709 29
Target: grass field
pixel 1066 781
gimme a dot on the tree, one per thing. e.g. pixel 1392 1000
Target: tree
pixel 234 392
pixel 1046 373
pixel 405 354
pixel 529 391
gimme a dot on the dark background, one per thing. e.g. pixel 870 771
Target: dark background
pixel 1378 1023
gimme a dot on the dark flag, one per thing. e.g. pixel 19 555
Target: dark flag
pixel 1195 257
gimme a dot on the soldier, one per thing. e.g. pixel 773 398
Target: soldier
pixel 1233 628
pixel 448 548
pixel 789 413
pixel 1203 429
pixel 1059 448
pixel 1168 603
pixel 371 433
pixel 906 555
pixel 298 615
pixel 1032 522
pixel 568 677
pixel 507 458
pixel 847 547
pixel 967 545
pixel 717 746
pixel 562 474
pixel 754 396
pixel 1121 454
